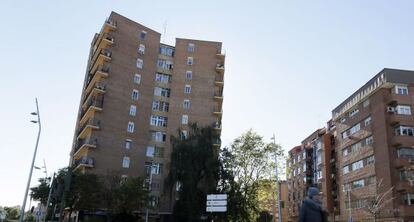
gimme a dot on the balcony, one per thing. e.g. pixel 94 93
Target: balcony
pixel 217 142
pixel 221 56
pixel 83 162
pixel 108 26
pixel 101 72
pixel 218 95
pixel 82 146
pixel 92 106
pixel 84 131
pixel 102 41
pixel 219 81
pixel 220 68
pixel 98 90
pixel 217 111
pixel 217 126
pixel 99 58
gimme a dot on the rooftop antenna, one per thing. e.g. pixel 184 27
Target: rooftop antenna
pixel 165 32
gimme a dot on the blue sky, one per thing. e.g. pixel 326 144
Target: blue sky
pixel 288 64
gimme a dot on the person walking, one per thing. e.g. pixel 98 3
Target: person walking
pixel 311 209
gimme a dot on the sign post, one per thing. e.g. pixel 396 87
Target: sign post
pixel 216 203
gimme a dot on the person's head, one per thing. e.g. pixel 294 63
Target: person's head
pixel 313 193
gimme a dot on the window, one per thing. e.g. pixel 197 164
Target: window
pixel 190 47
pixel 406 175
pixel 402 90
pixel 150 151
pixel 140 63
pixel 190 61
pixel 345 170
pixel 159 121
pixel 184 120
pixel 408 199
pixel 345 135
pixel 137 78
pixel 135 94
pixel 184 134
pixel 347 187
pixel 367 121
pixel 141 49
pixel 153 201
pixel 187 89
pixel 357 165
pixel 365 103
pixel 153 168
pixel 369 141
pixel 304 155
pixel 186 104
pixel 132 110
pixel 406 153
pixel 355 129
pixel 404 131
pixel 358 184
pixel 345 152
pixel 165 64
pixel 160 106
pixel 343 119
pixel 164 92
pixel 370 160
pixel 130 128
pixel 403 110
pixel 353 112
pixel 356 147
pixel 359 204
pixel 167 51
pixel 162 78
pixel 128 144
pixel 158 136
pixel 125 162
pixel 189 75
pixel 143 35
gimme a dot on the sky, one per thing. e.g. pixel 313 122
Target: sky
pixel 288 64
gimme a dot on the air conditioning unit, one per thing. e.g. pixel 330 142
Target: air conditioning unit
pixel 391 109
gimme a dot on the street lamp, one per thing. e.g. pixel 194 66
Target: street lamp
pixel 33 161
pixel 149 188
pixel 278 190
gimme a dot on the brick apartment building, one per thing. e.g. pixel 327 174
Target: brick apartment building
pixel 371 140
pixel 137 93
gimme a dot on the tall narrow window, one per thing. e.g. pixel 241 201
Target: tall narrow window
pixel 128 144
pixel 186 104
pixel 150 151
pixel 189 75
pixel 187 89
pixel 135 94
pixel 140 63
pixel 190 47
pixel 125 162
pixel 184 119
pixel 143 35
pixel 190 61
pixel 132 110
pixel 402 90
pixel 130 128
pixel 141 49
pixel 137 78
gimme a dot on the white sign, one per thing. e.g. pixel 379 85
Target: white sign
pixel 216 209
pixel 212 203
pixel 217 197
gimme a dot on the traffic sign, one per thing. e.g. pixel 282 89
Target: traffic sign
pixel 217 197
pixel 38 213
pixel 213 203
pixel 216 209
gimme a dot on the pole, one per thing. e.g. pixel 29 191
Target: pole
pixel 350 206
pixel 278 191
pixel 149 188
pixel 48 197
pixel 31 167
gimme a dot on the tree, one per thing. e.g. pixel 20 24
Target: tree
pixel 12 213
pixel 380 201
pixel 85 193
pixel 41 192
pixel 247 162
pixel 195 167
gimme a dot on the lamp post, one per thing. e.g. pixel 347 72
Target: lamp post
pixel 33 161
pixel 149 188
pixel 278 191
pixel 48 197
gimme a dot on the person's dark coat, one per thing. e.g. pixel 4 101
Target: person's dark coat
pixel 312 211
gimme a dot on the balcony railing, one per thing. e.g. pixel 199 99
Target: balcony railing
pixel 220 68
pixel 217 125
pixel 219 80
pixel 105 53
pixel 218 95
pixel 85 161
pixel 217 142
pixel 98 87
pixel 109 25
pixel 90 142
pixel 98 103
pixel 217 110
pixel 95 123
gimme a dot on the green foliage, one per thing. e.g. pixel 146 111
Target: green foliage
pixel 12 213
pixel 85 192
pixel 245 166
pixel 41 192
pixel 195 166
pixel 129 196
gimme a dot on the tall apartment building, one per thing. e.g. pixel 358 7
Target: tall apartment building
pixel 370 139
pixel 375 143
pixel 137 93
